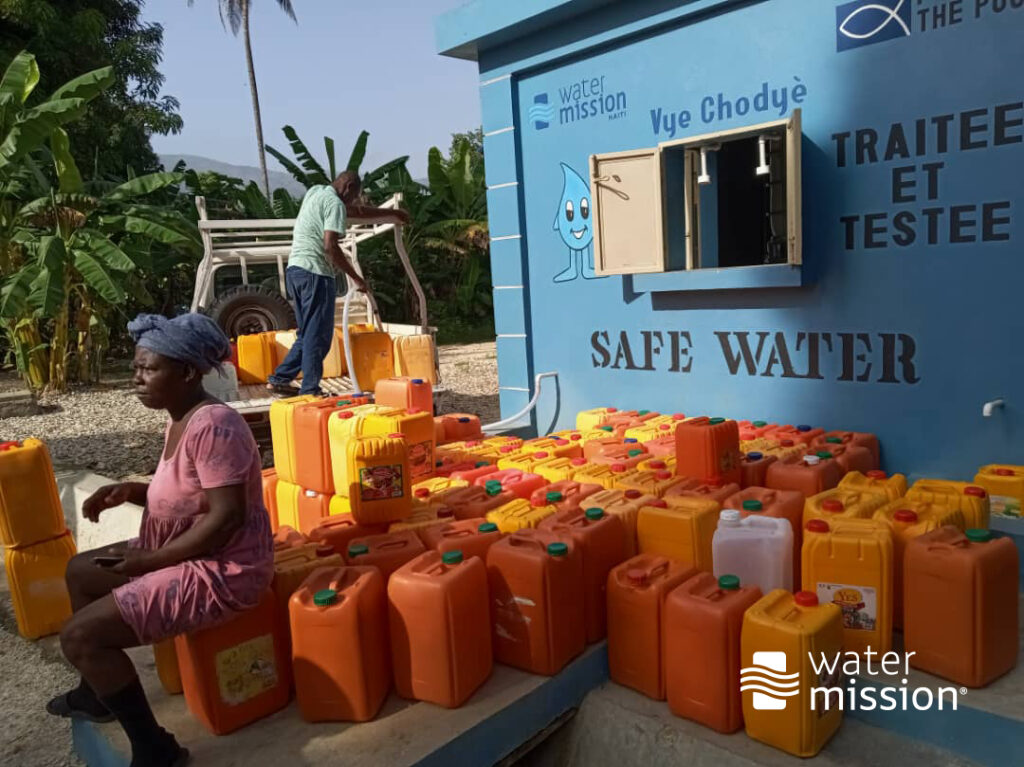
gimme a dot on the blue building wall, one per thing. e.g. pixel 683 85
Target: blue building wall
pixel 905 317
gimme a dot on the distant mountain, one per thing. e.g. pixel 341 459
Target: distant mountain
pixel 245 172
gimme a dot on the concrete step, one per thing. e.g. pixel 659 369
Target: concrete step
pixel 618 726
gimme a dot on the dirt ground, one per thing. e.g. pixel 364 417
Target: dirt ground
pixel 106 430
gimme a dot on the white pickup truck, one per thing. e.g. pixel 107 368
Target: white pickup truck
pixel 240 283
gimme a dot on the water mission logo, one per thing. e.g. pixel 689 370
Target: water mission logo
pixel 541 112
pixel 865 22
pixel 768 680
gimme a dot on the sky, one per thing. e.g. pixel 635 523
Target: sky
pixel 345 67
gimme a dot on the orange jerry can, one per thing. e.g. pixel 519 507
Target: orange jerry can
pixel 781 634
pixel 876 481
pixel 312 444
pixel 282 434
pixel 849 562
pixel 380 485
pixel 440 628
pixel 410 394
pixel 236 672
pixel 536 586
pixel 809 474
pixel 961 597
pixel 521 484
pixel 708 448
pixel 270 497
pixel 372 354
pixel 626 505
pixel 754 468
pixel 335 608
pixel 473 537
pixel 703 623
pixel 850 457
pixel 802 435
pixel 751 430
pixel 679 528
pixel 1005 485
pixel 338 530
pixel 858 438
pixel 165 657
pixel 655 482
pixel 781 504
pixel 970 499
pixel 313 508
pixel 637 590
pixel 909 520
pixel 292 565
pixel 461 426
pixel 623 456
pixel 474 501
pixel 30 509
pixel 255 358
pixel 287 537
pixel 418 430
pixel 601 540
pixel 387 551
pixel 39 594
pixel 564 496
pixel 714 491
pixel 476 470
pixel 662 447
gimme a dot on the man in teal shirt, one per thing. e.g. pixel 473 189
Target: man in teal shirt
pixel 315 257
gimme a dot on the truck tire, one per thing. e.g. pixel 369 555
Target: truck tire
pixel 250 309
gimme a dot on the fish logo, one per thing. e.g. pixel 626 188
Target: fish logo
pixel 768 681
pixel 541 112
pixel 863 23
pixel 575 226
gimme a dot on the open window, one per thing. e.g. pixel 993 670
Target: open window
pixel 714 201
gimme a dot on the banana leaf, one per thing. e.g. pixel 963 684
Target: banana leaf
pixel 314 171
pixel 104 249
pixel 69 178
pixel 98 278
pixel 21 77
pixel 358 152
pixel 143 185
pixel 15 290
pixel 87 86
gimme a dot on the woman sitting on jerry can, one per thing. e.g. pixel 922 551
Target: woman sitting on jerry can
pixel 204 551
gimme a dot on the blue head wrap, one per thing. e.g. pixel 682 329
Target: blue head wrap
pixel 191 338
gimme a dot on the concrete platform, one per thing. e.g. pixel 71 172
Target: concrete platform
pixel 508 711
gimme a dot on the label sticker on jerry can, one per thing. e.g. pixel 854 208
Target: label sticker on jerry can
pixel 246 670
pixel 379 483
pixel 858 604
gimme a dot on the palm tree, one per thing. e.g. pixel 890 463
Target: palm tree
pixel 236 14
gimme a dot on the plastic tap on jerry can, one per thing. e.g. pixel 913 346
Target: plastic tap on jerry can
pixel 838 503
pixel 680 528
pixel 237 672
pixel 909 520
pixel 961 598
pixel 877 481
pixel 1005 486
pixel 416 356
pixel 282 435
pixel 30 510
pixel 703 622
pixel 601 540
pixel 536 587
pixel 387 551
pixel 780 504
pixel 637 590
pixel 380 486
pixel 39 594
pixel 972 500
pixel 340 607
pixel 440 628
pixel 809 473
pixel 790 649
pixel 758 550
pixel 849 562
pixel 708 448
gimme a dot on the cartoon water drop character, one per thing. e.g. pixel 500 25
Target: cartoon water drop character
pixel 575 226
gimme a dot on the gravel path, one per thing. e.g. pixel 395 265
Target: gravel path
pixel 105 429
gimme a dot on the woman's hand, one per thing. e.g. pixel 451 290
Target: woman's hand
pixel 136 562
pixel 107 497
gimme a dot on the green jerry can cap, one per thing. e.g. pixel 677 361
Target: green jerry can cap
pixel 358 548
pixel 759 424
pixel 558 549
pixel 635 453
pixel 823 454
pixel 834 440
pixel 979 534
pixel 753 505
pixel 594 513
pixel 716 421
pixel 553 497
pixel 729 582
pixel 492 487
pixel 481 464
pixel 642 412
pixel 488 527
pixel 325 597
pixel 606 428
pixel 452 557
